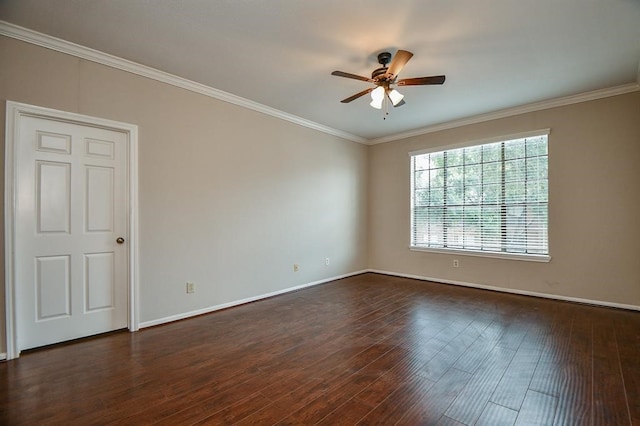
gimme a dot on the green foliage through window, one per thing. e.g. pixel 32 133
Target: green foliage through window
pixel 487 198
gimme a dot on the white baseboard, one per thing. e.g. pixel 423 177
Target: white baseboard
pixel 512 291
pixel 209 309
pixel 3 356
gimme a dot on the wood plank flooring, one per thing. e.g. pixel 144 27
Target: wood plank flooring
pixel 370 349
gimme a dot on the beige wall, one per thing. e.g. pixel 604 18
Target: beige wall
pixel 229 198
pixel 594 205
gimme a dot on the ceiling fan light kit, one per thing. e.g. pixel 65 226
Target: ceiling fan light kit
pixel 384 77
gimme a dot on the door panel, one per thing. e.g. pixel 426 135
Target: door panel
pixel 53 196
pixel 71 206
pixel 99 281
pixel 100 199
pixel 52 287
pixel 52 142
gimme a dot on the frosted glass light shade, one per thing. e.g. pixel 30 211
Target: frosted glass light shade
pixel 377 96
pixel 395 97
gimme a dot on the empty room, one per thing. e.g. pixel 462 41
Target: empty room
pixel 337 213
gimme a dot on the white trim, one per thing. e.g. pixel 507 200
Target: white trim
pixel 210 309
pixel 214 308
pixel 15 110
pixel 3 356
pixel 9 244
pixel 508 256
pixel 511 290
pixel 134 247
pixel 509 112
pixel 505 138
pixel 69 48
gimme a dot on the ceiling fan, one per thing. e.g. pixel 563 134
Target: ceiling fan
pixel 385 77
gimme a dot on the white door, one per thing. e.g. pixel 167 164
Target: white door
pixel 71 236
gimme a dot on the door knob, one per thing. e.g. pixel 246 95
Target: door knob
pixel 120 240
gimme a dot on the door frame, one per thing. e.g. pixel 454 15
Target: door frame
pixel 15 112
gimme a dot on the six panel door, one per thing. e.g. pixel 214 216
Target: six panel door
pixel 71 207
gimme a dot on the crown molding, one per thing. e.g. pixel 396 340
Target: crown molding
pixel 69 48
pixel 63 46
pixel 508 112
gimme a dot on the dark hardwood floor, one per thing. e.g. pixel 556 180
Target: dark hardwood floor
pixel 369 349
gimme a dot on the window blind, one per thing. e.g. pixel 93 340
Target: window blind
pixel 490 198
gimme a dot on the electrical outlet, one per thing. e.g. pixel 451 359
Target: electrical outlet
pixel 456 263
pixel 327 261
pixel 296 267
pixel 191 287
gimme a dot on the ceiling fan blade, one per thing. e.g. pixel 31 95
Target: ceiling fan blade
pixel 399 61
pixel 421 81
pixel 349 75
pixel 399 104
pixel 357 95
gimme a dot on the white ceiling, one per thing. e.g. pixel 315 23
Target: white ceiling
pixel 496 54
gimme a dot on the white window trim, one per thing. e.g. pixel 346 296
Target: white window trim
pixel 543 258
pixel 546 258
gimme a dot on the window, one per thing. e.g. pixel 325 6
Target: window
pixel 489 199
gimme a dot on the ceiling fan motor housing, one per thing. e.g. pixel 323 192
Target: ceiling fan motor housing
pixel 379 74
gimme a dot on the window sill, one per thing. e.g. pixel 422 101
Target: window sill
pixel 510 256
